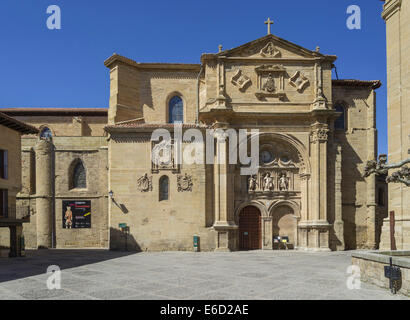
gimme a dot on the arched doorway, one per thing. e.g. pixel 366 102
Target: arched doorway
pixel 250 231
pixel 284 224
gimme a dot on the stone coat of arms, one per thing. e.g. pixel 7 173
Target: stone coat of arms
pixel 269 85
pixel 145 183
pixel 184 183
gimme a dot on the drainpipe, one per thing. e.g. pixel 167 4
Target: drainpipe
pixel 197 94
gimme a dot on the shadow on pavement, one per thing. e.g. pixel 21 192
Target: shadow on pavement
pixel 37 261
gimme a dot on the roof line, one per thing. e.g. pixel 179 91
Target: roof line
pixel 374 84
pixel 55 111
pixel 150 65
pixel 17 125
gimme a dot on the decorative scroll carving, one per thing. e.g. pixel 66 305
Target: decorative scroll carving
pixel 271 81
pixel 270 51
pixel 184 183
pixel 145 183
pixel 299 81
pixel 319 135
pixel 241 81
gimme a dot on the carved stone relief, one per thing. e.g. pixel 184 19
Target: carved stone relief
pixel 271 81
pixel 299 81
pixel 270 51
pixel 241 81
pixel 279 167
pixel 184 183
pixel 319 135
pixel 162 156
pixel 145 183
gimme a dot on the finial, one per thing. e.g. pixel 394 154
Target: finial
pixel 317 49
pixel 220 48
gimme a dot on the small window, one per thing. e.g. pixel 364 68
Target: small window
pixel 4 164
pixel 340 122
pixel 176 110
pixel 163 188
pixel 46 134
pixel 3 203
pixel 79 176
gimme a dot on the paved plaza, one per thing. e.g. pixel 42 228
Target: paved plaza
pixel 101 274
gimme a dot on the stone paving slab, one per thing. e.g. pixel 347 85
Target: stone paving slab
pixel 102 274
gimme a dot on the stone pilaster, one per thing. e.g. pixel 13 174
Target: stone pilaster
pixel 317 227
pixel 339 224
pixel 44 183
pixel 267 233
pixel 224 225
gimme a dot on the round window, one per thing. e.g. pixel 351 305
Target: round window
pixel 266 156
pixel 284 159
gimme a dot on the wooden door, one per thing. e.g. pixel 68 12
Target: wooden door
pixel 250 233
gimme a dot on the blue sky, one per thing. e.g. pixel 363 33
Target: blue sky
pixel 64 68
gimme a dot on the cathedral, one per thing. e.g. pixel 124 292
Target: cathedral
pixel 88 179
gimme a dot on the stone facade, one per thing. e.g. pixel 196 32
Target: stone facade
pixel 396 13
pixel 45 159
pixel 308 186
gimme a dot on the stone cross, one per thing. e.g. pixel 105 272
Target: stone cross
pixel 269 22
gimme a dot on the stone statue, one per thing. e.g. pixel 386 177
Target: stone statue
pixel 252 183
pixel 268 183
pixel 283 182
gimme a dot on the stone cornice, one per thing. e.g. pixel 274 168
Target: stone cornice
pixel 116 58
pixel 390 8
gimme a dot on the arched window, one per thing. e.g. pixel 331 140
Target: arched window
pixel 163 188
pixel 176 110
pixel 79 176
pixel 340 122
pixel 46 134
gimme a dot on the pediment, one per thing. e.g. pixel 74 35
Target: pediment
pixel 270 46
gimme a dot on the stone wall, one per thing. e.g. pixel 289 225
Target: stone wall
pixel 358 144
pixel 155 225
pixel 93 153
pixel 372 265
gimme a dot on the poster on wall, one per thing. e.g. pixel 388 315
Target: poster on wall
pixel 76 214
